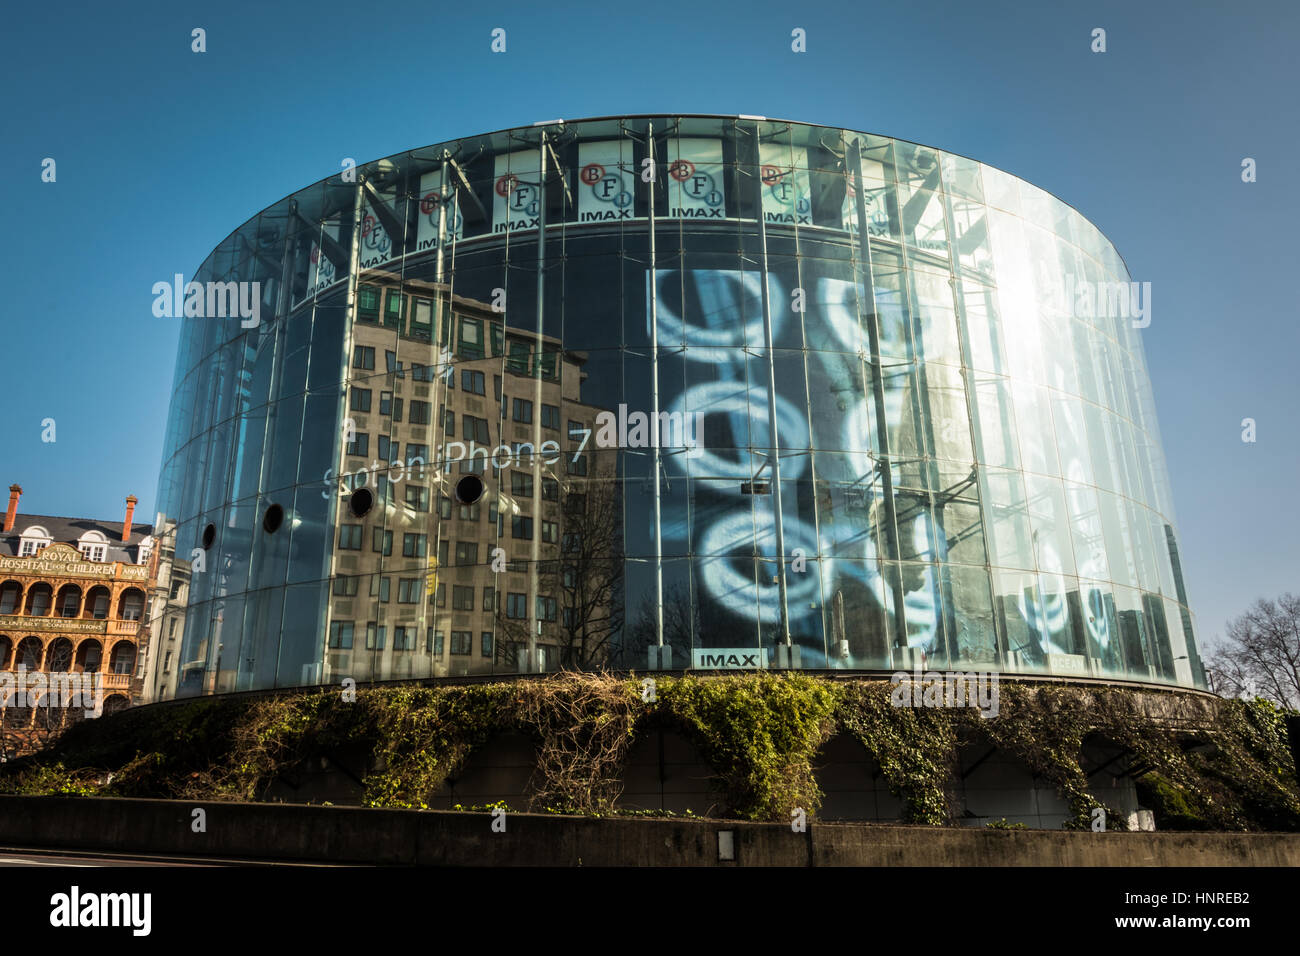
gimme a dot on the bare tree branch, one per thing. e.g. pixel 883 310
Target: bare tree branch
pixel 1260 655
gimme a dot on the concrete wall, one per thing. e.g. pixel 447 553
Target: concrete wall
pixel 853 788
pixel 664 771
pixel 351 835
pixel 995 785
pixel 502 769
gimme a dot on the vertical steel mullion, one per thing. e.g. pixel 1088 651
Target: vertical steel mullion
pixel 812 461
pixel 654 405
pixel 332 556
pixel 536 368
pixel 354 271
pixel 282 309
pixel 925 435
pixel 827 625
pixel 774 444
pixel 439 391
pixel 895 580
pixel 442 220
pixel 972 406
pixel 924 418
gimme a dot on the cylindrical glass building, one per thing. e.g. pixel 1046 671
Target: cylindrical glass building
pixel 852 403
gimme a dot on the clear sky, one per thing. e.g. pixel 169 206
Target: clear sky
pixel 161 152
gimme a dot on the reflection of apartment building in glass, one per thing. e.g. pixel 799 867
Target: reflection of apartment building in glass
pixel 915 439
pixel 441 387
pixel 73 601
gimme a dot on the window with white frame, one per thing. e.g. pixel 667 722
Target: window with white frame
pixel 93 546
pixel 33 540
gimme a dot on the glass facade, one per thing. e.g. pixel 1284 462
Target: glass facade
pixel 853 403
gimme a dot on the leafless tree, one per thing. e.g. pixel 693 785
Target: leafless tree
pixel 681 621
pixel 25 730
pixel 583 572
pixel 1260 656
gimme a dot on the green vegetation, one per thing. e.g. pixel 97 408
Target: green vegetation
pixel 760 733
pixel 1004 825
pixel 916 749
pixel 1202 763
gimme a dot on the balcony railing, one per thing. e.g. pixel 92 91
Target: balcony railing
pixel 112 682
pixel 117 682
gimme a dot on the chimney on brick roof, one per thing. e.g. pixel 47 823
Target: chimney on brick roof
pixel 14 492
pixel 130 513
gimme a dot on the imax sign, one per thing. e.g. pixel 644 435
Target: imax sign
pixel 728 658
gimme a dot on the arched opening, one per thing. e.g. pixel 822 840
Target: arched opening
pixel 30 654
pixel 90 655
pixel 114 702
pixel 40 597
pixel 123 657
pixel 6 647
pixel 69 603
pixel 15 717
pixel 48 714
pixel 852 784
pixel 59 656
pixel 664 770
pixel 996 785
pixel 97 602
pixel 11 597
pixel 130 606
pixel 501 769
pixel 1109 767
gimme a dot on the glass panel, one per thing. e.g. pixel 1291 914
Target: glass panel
pixel 970 464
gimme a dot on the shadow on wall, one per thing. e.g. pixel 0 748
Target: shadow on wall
pixel 853 788
pixel 994 785
pixel 665 771
pixel 502 769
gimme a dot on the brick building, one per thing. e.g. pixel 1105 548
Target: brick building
pixel 74 596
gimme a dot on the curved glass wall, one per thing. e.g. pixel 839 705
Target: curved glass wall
pixel 854 403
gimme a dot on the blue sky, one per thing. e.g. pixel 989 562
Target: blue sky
pixel 161 152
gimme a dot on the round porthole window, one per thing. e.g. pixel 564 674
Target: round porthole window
pixel 272 520
pixel 469 489
pixel 362 500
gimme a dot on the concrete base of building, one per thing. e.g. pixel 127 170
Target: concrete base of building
pixel 342 835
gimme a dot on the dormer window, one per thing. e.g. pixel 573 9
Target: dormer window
pixel 93 546
pixel 33 541
pixel 144 550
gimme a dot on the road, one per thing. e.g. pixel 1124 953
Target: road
pixel 26 856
